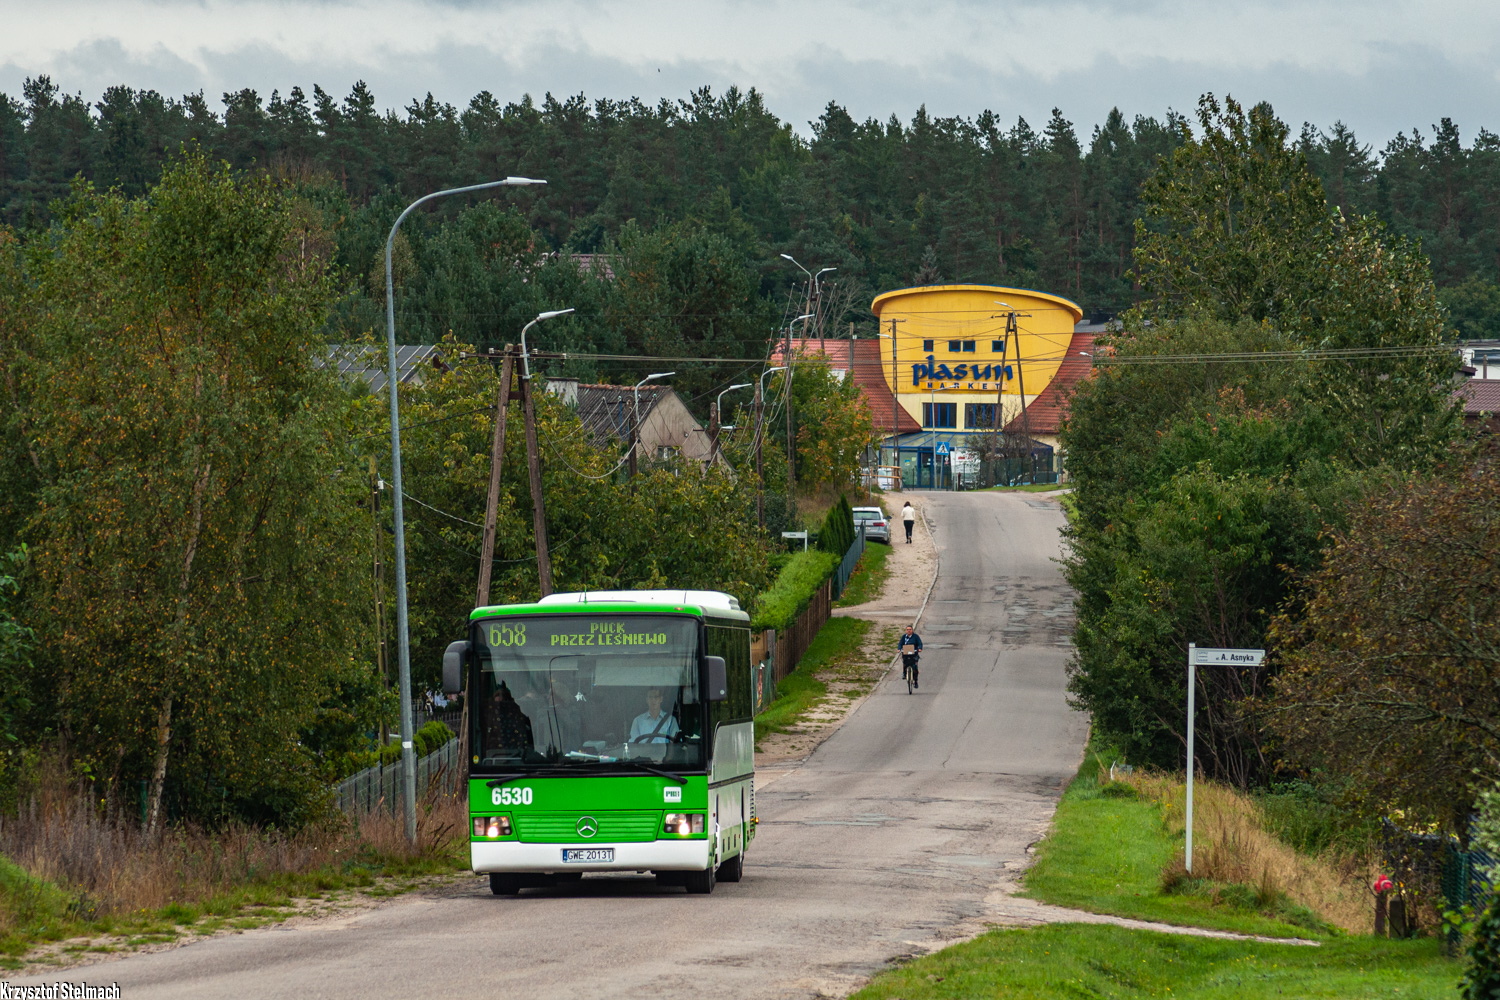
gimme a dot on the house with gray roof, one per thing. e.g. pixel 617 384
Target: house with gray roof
pixel 610 413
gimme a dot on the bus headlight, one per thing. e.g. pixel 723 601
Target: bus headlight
pixel 492 826
pixel 682 824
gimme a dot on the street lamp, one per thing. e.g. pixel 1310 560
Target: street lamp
pixel 718 400
pixel 525 357
pixel 403 645
pixel 768 371
pixel 817 292
pixel 718 415
pixel 635 431
pixel 760 472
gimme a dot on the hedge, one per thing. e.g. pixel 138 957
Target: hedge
pixel 837 532
pixel 779 606
pixel 430 737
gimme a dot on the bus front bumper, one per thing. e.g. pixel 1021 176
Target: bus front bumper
pixel 658 855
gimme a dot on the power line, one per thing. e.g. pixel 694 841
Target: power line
pixel 1324 354
pixel 436 510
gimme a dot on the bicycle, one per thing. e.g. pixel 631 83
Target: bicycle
pixel 909 670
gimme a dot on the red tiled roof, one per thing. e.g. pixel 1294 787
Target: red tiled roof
pixel 1479 395
pixel 868 371
pixel 1046 412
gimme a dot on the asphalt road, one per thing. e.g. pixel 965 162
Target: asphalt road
pixel 888 840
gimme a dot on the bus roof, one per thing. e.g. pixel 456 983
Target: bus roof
pixel 704 603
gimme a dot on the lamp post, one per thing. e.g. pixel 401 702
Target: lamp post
pixel 403 644
pixel 718 417
pixel 526 357
pixel 813 291
pixel 635 430
pixel 791 442
pixel 760 473
pixel 818 297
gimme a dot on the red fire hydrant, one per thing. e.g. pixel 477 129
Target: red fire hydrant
pixel 1380 886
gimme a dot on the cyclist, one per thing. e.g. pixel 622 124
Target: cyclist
pixel 909 659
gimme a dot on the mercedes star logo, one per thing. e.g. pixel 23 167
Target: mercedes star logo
pixel 588 826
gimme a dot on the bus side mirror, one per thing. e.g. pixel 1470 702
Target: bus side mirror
pixel 718 678
pixel 454 658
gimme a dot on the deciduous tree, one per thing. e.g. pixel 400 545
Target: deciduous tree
pixel 1390 672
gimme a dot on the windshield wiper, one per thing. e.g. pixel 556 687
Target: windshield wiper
pixel 654 770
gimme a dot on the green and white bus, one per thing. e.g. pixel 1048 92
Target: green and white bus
pixel 609 731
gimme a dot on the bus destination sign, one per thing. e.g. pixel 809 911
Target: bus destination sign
pixel 616 633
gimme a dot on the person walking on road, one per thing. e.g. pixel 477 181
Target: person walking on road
pixel 908 517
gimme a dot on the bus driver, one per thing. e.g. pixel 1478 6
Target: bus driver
pixel 654 725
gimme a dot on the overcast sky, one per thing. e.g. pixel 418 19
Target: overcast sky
pixel 1381 67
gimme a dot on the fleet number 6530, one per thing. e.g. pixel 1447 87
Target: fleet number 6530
pixel 510 796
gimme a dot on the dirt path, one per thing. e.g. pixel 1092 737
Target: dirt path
pixel 913 570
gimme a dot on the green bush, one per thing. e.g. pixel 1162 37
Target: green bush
pixel 1311 818
pixel 1481 980
pixel 795 585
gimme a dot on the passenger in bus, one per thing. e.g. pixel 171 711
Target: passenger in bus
pixel 507 730
pixel 554 713
pixel 655 724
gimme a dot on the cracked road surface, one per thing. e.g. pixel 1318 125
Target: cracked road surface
pixel 888 840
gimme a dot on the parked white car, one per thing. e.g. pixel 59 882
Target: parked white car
pixel 876 522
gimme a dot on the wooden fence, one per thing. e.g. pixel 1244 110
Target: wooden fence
pixel 793 642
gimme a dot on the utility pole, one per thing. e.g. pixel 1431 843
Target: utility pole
pixel 497 456
pixel 791 442
pixel 1012 330
pixel 895 404
pixel 760 471
pixel 491 513
pixel 631 468
pixel 716 419
pixel 998 451
pixel 379 580
pixel 534 472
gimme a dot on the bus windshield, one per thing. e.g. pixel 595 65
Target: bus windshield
pixel 587 691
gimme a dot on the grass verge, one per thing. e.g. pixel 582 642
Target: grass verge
pixel 1089 960
pixel 1107 853
pixel 69 875
pixel 869 576
pixel 834 655
pixel 1113 849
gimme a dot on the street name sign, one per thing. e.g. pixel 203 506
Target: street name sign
pixel 1227 657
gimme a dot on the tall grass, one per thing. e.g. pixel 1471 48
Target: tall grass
pixel 106 866
pixel 1237 856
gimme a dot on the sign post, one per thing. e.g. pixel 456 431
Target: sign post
pixel 1206 658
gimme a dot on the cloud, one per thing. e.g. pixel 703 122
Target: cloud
pixel 1397 64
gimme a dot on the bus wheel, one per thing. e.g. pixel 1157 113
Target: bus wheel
pixel 701 882
pixel 504 884
pixel 733 869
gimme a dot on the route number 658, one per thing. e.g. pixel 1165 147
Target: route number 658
pixel 510 796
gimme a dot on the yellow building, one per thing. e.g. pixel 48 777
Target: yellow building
pixel 957 357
